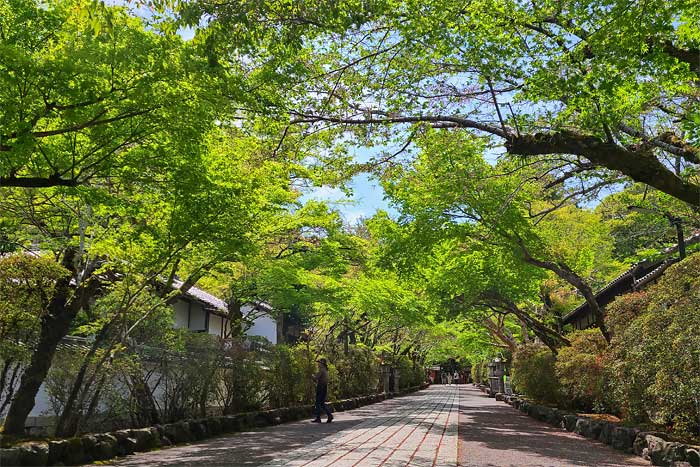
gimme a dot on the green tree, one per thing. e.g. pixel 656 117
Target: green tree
pixel 473 223
pixel 588 92
pixel 89 94
pixel 26 286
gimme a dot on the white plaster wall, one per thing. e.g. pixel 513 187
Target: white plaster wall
pixel 197 317
pixel 180 314
pixel 215 322
pixel 264 326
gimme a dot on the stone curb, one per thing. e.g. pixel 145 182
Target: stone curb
pixel 104 446
pixel 652 446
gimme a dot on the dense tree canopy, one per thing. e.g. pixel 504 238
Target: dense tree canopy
pixel 586 91
pixel 530 151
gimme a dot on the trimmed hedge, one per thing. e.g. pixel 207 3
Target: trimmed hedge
pixel 655 371
pixel 581 371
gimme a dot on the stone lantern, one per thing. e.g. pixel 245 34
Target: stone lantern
pixel 497 369
pixel 386 371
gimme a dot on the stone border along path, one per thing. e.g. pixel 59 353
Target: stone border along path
pixel 440 426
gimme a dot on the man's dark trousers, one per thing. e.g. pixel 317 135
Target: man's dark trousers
pixel 321 393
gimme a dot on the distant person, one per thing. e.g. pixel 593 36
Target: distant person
pixel 449 378
pixel 456 378
pixel 321 379
pixel 443 378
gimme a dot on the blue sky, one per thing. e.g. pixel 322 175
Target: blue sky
pixel 367 197
pixel 366 193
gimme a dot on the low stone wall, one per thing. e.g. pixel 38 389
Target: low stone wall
pixel 652 446
pixel 103 446
pixel 485 388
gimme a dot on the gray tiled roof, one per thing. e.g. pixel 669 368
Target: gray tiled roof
pixel 212 300
pixel 651 270
pixel 202 296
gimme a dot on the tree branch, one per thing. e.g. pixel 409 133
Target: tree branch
pixel 638 164
pixel 444 119
pixel 667 142
pixel 37 182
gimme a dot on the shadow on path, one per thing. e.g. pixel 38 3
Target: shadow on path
pixel 492 433
pixel 253 447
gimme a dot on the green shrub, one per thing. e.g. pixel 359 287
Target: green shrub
pixel 656 369
pixel 476 372
pixel 104 403
pixel 410 373
pixel 241 387
pixel 187 376
pixel 533 373
pixel 285 379
pixel 357 372
pixel 620 313
pixel 480 372
pixel 305 361
pixel 581 371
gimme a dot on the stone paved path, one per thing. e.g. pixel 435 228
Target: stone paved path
pixel 421 431
pixel 492 433
pixel 436 427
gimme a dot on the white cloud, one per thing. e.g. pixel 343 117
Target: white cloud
pixel 326 193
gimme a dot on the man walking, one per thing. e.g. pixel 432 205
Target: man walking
pixel 321 379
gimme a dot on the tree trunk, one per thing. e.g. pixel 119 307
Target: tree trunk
pixel 565 272
pixel 497 332
pixel 548 336
pixel 235 319
pixel 54 327
pixel 63 424
pixel 523 331
pixel 148 412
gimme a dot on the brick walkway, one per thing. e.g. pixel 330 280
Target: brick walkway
pixel 435 427
pixel 421 430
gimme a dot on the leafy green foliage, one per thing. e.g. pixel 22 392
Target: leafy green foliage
pixel 656 366
pixel 152 157
pixel 607 72
pixel 94 95
pixel 638 233
pixel 411 374
pixel 26 287
pixel 288 381
pixel 534 374
pixel 480 372
pixel 102 403
pixel 581 371
pixel 242 379
pixel 356 373
pixel 624 310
